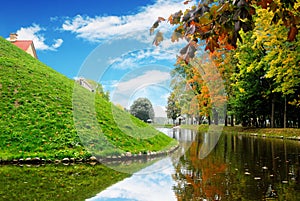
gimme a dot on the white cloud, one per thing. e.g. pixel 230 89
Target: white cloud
pixel 58 43
pixel 160 111
pixel 136 25
pixel 148 56
pixel 34 33
pixel 126 91
pixel 150 77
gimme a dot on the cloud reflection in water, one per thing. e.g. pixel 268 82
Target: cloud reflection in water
pixel 151 183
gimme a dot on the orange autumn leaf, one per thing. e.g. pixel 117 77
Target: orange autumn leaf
pixel 212 44
pixel 161 19
pixel 186 2
pixel 229 46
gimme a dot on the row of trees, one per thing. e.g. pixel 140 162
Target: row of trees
pixel 254 80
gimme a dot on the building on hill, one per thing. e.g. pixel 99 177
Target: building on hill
pixel 26 45
pixel 83 82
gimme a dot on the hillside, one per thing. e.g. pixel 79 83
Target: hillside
pixel 38 109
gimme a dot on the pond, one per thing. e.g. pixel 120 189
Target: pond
pixel 239 167
pixel 206 166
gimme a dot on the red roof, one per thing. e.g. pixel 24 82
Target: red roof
pixel 23 44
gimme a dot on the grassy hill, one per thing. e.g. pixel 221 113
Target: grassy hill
pixel 45 114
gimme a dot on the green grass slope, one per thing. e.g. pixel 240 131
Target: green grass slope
pixel 37 107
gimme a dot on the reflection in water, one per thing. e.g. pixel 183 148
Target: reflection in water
pixel 155 182
pixel 149 184
pixel 238 168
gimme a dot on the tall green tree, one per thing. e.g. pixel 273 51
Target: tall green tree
pixel 173 107
pixel 142 108
pixel 267 75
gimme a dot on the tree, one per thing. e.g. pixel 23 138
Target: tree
pixel 226 64
pixel 173 107
pixel 267 74
pixel 219 22
pixel 255 46
pixel 192 95
pixel 142 109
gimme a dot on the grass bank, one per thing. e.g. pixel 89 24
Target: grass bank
pixel 47 115
pixel 263 132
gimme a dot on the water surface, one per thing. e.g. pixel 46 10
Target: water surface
pixel 239 167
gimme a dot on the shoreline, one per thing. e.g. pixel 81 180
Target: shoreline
pixel 278 133
pixel 93 160
pixel 296 138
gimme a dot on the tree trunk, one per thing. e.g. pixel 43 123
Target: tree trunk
pixel 231 120
pixel 264 121
pixel 273 113
pixel 216 118
pixel 285 113
pixel 225 115
pixel 298 120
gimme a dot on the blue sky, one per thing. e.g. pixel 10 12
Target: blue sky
pixel 104 40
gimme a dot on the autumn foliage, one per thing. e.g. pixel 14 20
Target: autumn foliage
pixel 218 22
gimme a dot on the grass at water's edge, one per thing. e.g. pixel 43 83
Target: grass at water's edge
pixel 263 132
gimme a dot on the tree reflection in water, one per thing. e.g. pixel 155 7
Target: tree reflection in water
pixel 238 168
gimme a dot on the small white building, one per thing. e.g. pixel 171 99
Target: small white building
pixel 83 82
